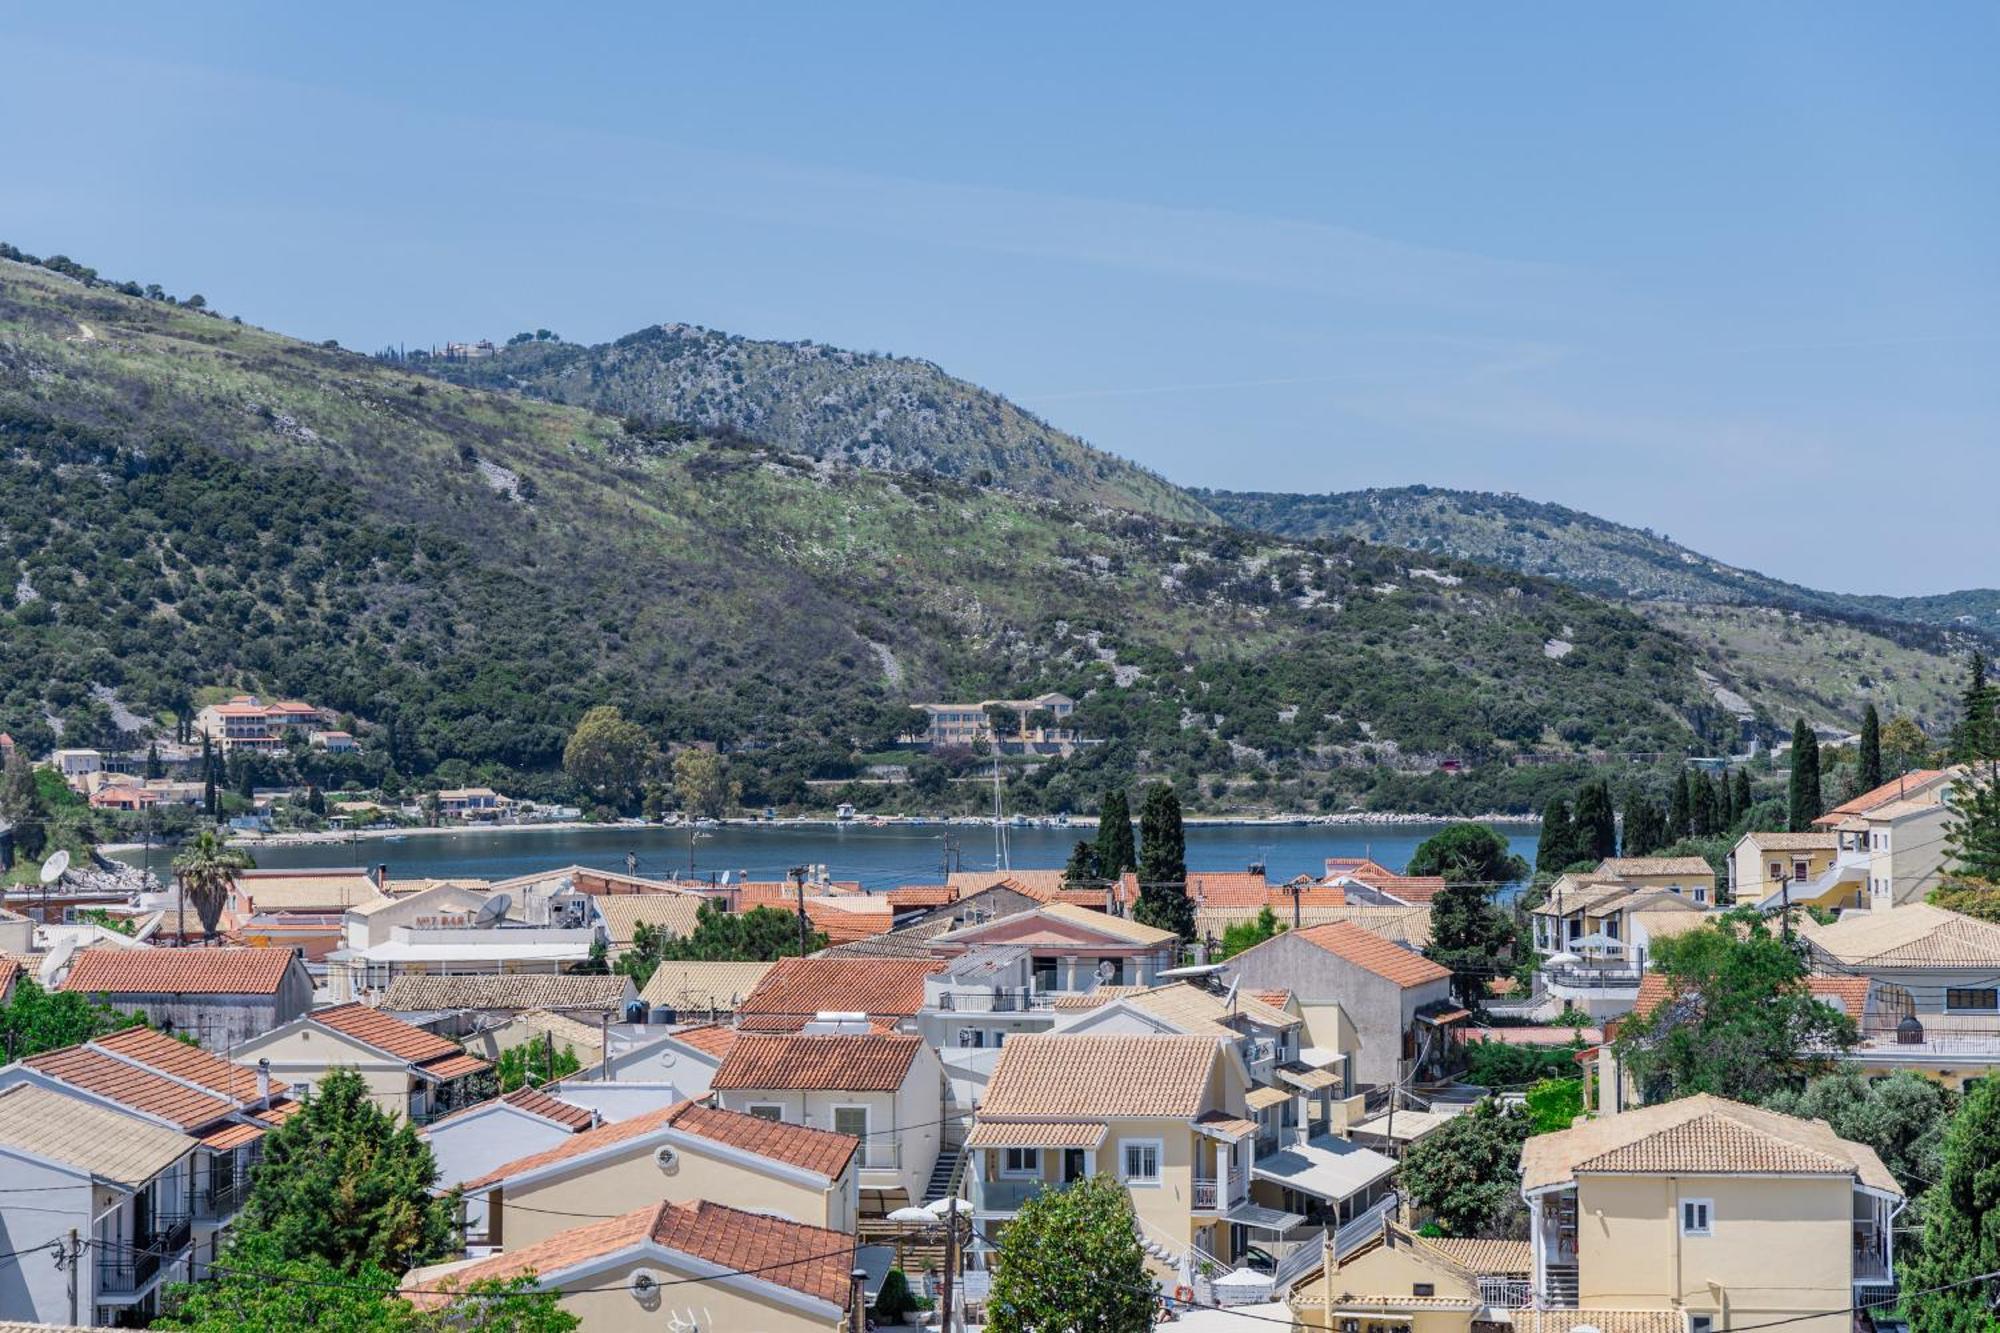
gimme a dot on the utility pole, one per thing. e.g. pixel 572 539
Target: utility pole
pixel 950 1254
pixel 805 924
pixel 74 1261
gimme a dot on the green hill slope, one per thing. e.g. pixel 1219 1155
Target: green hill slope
pixel 187 502
pixel 886 412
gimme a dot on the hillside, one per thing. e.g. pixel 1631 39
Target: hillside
pixel 1595 554
pixel 189 502
pixel 1781 648
pixel 890 413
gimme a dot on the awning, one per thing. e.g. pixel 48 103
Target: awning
pixel 224 1138
pixel 1224 1126
pixel 1442 1015
pixel 1060 1134
pixel 1264 1219
pixel 1311 1080
pixel 1258 1099
pixel 1327 1168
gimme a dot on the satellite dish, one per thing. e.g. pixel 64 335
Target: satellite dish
pixel 54 867
pixel 493 909
pixel 57 960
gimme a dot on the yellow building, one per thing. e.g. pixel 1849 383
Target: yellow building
pixel 1395 1281
pixel 1736 1215
pixel 1794 868
pixel 699 1265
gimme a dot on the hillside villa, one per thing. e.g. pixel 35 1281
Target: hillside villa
pixel 948 724
pixel 245 722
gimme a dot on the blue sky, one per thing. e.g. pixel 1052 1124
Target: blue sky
pixel 1729 272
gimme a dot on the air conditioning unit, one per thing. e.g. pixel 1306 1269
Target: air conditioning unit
pixel 666 1159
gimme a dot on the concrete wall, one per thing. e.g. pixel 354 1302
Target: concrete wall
pixel 31 1290
pixel 470 1147
pixel 1376 1011
pixel 689 1305
pixel 632 1179
pixel 307 1054
pixel 1780 1246
pixel 222 1022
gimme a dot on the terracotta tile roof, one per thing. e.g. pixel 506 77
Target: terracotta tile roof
pixel 1037 1134
pixel 1086 1077
pixel 1407 924
pixel 1848 994
pixel 796 1145
pixel 819 1150
pixel 1702 1135
pixel 1793 842
pixel 1888 793
pixel 1230 888
pixel 416 994
pixel 1605 1321
pixel 1488 1258
pixel 717 986
pixel 67 1129
pixel 1096 998
pixel 1358 866
pixel 224 1138
pixel 799 1061
pixel 306 890
pixel 142 1090
pixel 1233 1127
pixel 453 1066
pixel 537 1102
pixel 1120 927
pixel 796 989
pixel 1914 935
pixel 1406 888
pixel 1041 885
pixel 279 1111
pixel 921 895
pixel 806 1259
pixel 1179 1002
pixel 386 1033
pixel 586 1039
pixel 1624 866
pixel 1277 999
pixel 710 1038
pixel 179 971
pixel 1365 949
pixel 158 1051
pixel 624 913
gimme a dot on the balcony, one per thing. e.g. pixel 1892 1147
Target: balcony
pixel 126 1269
pixel 219 1200
pixel 1207 1194
pixel 997 1000
pixel 1506 1293
pixel 881 1154
pixel 1005 1196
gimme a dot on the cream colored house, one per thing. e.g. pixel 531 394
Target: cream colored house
pixel 884 1089
pixel 1165 1115
pixel 683 1152
pixel 1396 1281
pixel 1690 877
pixel 695 1266
pixel 409 1072
pixel 1794 868
pixel 1736 1215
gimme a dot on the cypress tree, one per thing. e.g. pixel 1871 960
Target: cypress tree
pixel 1596 824
pixel 1163 899
pixel 1701 800
pixel 208 803
pixel 1744 800
pixel 1643 825
pixel 1805 793
pixel 1871 750
pixel 1116 852
pixel 1680 814
pixel 1557 847
pixel 1725 792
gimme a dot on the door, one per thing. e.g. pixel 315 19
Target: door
pixel 1072 1165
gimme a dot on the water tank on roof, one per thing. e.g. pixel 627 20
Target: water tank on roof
pixel 1910 1032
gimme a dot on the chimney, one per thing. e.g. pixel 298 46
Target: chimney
pixel 264 1079
pixel 382 876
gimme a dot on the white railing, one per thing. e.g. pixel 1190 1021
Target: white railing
pixel 1506 1293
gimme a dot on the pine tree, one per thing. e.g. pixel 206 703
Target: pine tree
pixel 1870 759
pixel 1977 736
pixel 1596 824
pixel 1959 1239
pixel 1680 813
pixel 1557 848
pixel 1163 899
pixel 1972 838
pixel 1805 791
pixel 1116 852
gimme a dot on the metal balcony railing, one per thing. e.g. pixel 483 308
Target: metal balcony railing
pixel 1207 1193
pixel 123 1269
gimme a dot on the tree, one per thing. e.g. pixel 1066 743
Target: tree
pixel 1163 899
pixel 1960 1236
pixel 1554 1104
pixel 1680 810
pixel 22 806
pixel 316 801
pixel 1977 736
pixel 533 1063
pixel 1557 849
pixel 1805 804
pixel 1972 836
pixel 703 784
pixel 34 1020
pixel 1904 746
pixel 1645 826
pixel 1869 761
pixel 1071 1260
pixel 256 1286
pixel 1596 824
pixel 1116 850
pixel 1902 1117
pixel 210 803
pixel 1242 935
pixel 207 869
pixel 1701 801
pixel 609 757
pixel 1497 1064
pixel 760 935
pixel 1081 869
pixel 1467 1173
pixel 1744 802
pixel 155 770
pixel 1467 854
pixel 345 1182
pixel 1739 1020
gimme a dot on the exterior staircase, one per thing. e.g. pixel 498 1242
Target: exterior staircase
pixel 1562 1287
pixel 944 1179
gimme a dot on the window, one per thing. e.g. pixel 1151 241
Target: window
pixel 972 1036
pixel 1700 894
pixel 1777 870
pixel 1957 1000
pixel 765 1111
pixel 1021 1162
pixel 1141 1161
pixel 1423 1289
pixel 851 1120
pixel 1800 869
pixel 1701 1323
pixel 1696 1216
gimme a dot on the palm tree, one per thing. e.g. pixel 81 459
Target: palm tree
pixel 207 869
